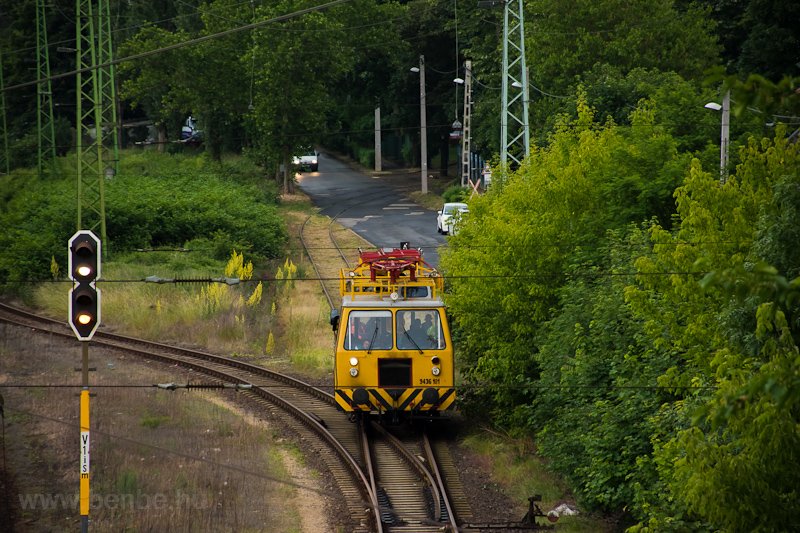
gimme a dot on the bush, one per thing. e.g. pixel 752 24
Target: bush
pixel 156 200
pixel 456 193
pixel 365 157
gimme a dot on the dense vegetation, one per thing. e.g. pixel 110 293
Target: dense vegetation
pixel 635 315
pixel 645 316
pixel 156 201
pixel 657 363
pixel 317 77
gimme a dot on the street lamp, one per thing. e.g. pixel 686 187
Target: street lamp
pixel 724 138
pixel 423 133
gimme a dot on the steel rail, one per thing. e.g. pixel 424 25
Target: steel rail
pixel 314 263
pixel 414 463
pixel 434 467
pixel 310 420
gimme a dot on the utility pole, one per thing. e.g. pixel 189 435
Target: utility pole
pixel 724 140
pixel 423 127
pixel 378 162
pixel 45 125
pixel 724 136
pixel 514 144
pixel 466 139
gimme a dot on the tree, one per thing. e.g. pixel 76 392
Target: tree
pixel 729 458
pixel 530 227
pixel 158 85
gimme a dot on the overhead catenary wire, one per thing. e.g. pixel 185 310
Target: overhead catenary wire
pixel 119 438
pixel 464 387
pixel 226 32
pixel 236 281
pixel 442 127
pixel 176 46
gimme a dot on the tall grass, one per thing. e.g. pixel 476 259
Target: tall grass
pixel 228 319
pixel 270 322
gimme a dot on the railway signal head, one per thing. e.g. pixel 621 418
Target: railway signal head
pixel 84 311
pixel 84 297
pixel 84 257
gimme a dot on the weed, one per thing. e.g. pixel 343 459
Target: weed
pixel 152 421
pixel 127 482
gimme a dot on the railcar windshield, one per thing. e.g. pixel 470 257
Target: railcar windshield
pixel 419 329
pixel 369 330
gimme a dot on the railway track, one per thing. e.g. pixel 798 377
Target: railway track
pixel 413 491
pixel 323 248
pixel 366 462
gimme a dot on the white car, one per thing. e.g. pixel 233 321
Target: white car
pixel 309 159
pixel 449 215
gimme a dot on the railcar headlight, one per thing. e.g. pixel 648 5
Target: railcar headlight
pixel 353 372
pixel 435 370
pixel 354 361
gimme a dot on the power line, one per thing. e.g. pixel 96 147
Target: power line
pixel 176 46
pixel 465 387
pixel 120 438
pixel 350 29
pixel 235 281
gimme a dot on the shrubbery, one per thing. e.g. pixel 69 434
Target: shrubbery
pixel 456 193
pixel 653 357
pixel 156 200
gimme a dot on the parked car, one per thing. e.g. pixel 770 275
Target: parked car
pixel 448 217
pixel 308 160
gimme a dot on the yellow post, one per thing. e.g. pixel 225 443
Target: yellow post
pixel 84 471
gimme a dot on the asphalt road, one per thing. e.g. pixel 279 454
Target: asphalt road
pixel 373 205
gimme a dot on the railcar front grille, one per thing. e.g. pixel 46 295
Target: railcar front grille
pixel 394 372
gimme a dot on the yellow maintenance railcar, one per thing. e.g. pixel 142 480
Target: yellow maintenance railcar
pixel 393 349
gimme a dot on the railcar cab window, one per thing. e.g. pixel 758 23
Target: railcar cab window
pixel 416 292
pixel 419 329
pixel 369 330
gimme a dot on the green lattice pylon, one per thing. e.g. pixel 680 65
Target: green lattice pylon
pixel 91 153
pixel 45 125
pixel 107 86
pixel 514 134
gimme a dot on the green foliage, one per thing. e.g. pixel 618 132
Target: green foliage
pixel 456 193
pixel 153 421
pixel 155 201
pixel 729 461
pixel 581 34
pixel 564 198
pixel 365 157
pixel 589 409
pixel 653 388
pixel 38 218
pixel 725 349
pixel 145 211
